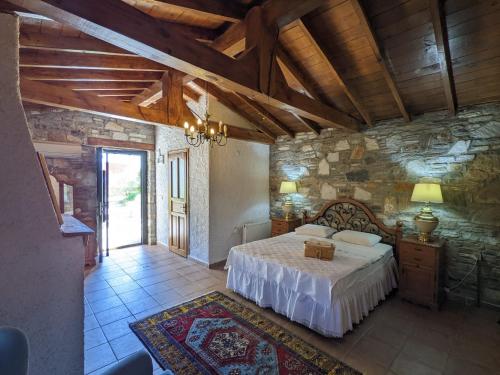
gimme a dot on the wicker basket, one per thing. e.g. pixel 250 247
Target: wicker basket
pixel 319 250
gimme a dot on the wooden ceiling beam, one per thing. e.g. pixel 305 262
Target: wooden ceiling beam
pixel 129 96
pixel 153 93
pixel 334 73
pixel 32 58
pixel 311 125
pixel 372 40
pixel 111 92
pixel 282 12
pixel 29 38
pixel 77 75
pixel 443 49
pixel 172 96
pixel 126 27
pixel 59 97
pixel 227 100
pixel 101 86
pixel 230 11
pixel 232 41
pixel 267 116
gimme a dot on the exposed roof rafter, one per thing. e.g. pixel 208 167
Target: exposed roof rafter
pixel 231 11
pixel 372 40
pixel 335 74
pixel 55 96
pixel 110 21
pixel 443 49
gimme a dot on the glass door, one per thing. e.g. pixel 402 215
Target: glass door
pixel 122 199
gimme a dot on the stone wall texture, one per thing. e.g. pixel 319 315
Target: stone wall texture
pixel 380 166
pixel 56 125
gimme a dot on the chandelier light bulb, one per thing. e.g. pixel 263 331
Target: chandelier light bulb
pixel 199 122
pixel 186 125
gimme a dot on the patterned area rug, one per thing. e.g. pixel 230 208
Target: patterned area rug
pixel 214 334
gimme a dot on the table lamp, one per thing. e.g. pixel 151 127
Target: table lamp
pixel 288 187
pixel 425 221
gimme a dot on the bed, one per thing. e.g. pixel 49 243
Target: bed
pixel 329 297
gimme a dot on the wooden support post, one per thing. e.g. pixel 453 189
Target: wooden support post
pixel 172 99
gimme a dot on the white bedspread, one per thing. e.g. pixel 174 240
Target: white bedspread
pixel 328 296
pixel 281 260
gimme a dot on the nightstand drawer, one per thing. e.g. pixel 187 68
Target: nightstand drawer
pixel 280 225
pixel 420 255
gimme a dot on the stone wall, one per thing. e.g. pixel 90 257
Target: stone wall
pixel 55 125
pixel 380 165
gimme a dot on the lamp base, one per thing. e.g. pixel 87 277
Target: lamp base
pixel 288 210
pixel 425 222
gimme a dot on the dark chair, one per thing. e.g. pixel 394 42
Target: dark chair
pixel 14 357
pixel 13 352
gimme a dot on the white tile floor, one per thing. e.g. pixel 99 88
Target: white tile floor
pixel 397 338
pixel 129 285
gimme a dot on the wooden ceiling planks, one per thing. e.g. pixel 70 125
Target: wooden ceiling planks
pixel 474 39
pixel 403 29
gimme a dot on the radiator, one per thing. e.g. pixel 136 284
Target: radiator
pixel 256 231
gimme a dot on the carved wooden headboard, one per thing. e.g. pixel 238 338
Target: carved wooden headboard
pixel 350 214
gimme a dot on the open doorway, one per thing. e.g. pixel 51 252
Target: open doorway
pixel 122 199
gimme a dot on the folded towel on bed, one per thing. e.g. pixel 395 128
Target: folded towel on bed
pixel 319 250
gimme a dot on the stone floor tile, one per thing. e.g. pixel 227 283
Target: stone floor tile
pixel 112 315
pixel 100 294
pixel 142 305
pixel 105 304
pixel 123 279
pixel 405 365
pixel 461 366
pixel 98 357
pixel 126 345
pixel 133 295
pixel 126 287
pixel 118 328
pixel 377 350
pixel 426 354
pixel 90 322
pixel 94 337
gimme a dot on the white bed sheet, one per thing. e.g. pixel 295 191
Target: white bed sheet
pixel 327 296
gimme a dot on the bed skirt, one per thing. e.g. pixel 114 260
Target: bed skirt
pixel 329 320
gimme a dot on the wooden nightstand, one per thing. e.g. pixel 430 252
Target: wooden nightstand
pixel 421 271
pixel 282 226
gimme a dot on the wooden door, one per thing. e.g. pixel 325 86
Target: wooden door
pixel 178 235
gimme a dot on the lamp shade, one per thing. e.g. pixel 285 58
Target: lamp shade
pixel 288 187
pixel 427 193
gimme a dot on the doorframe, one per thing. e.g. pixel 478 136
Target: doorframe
pixel 100 195
pixel 188 215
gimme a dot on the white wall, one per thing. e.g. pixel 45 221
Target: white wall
pixel 228 187
pixel 239 193
pixel 41 273
pixel 168 139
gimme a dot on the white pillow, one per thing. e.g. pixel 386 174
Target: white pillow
pixel 358 238
pixel 315 230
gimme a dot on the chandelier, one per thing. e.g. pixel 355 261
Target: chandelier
pixel 205 132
